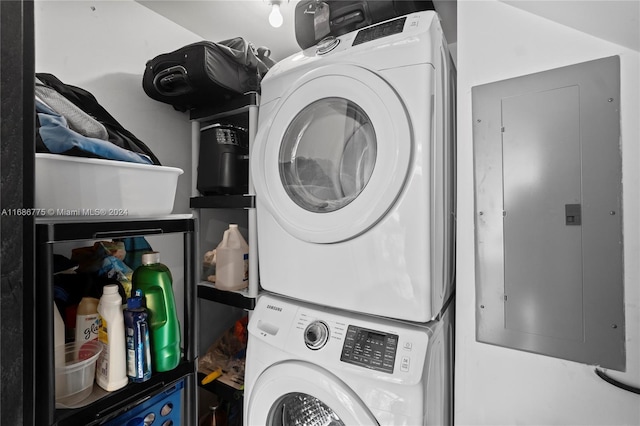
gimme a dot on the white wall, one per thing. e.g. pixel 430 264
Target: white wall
pixel 499 386
pixel 102 47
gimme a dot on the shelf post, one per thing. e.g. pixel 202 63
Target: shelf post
pixel 252 218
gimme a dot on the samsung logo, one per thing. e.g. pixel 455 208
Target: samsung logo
pixel 275 308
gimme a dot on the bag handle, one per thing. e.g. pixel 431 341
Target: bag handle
pixel 173 81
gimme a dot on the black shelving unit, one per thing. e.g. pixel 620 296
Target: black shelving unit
pixel 241 111
pixel 237 110
pixel 223 202
pixel 206 290
pixel 234 106
pixel 231 298
pixel 56 230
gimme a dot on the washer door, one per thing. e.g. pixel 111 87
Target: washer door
pixel 299 393
pixel 334 157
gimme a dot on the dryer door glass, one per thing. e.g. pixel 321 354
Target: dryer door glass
pixel 299 409
pixel 327 155
pixel 332 155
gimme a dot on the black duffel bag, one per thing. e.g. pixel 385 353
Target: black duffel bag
pixel 206 73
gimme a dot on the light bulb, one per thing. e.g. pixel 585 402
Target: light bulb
pixel 275 17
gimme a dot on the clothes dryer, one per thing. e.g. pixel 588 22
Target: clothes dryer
pixel 310 365
pixel 353 168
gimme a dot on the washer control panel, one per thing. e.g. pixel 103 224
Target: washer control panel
pixel 370 348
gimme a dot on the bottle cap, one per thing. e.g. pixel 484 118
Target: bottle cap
pixel 233 225
pixel 151 258
pixel 134 302
pixel 110 289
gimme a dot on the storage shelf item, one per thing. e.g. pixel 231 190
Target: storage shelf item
pixel 50 231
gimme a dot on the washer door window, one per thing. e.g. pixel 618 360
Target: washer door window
pixel 304 410
pixel 327 155
pixel 333 158
pixel 300 393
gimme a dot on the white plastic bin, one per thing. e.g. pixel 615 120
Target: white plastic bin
pixel 76 186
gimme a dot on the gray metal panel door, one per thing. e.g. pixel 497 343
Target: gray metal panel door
pixel 542 255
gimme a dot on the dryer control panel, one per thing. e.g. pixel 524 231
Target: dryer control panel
pixel 370 348
pixel 381 30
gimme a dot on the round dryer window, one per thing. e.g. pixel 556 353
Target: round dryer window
pixel 327 155
pixel 331 157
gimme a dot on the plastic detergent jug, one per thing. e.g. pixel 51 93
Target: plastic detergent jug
pixel 155 281
pixel 232 260
pixel 111 371
pixel 137 335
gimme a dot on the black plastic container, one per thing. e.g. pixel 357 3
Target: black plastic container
pixel 223 163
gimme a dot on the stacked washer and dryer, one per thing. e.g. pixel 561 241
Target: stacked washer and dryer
pixel 354 171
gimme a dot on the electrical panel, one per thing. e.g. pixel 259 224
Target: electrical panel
pixel 548 213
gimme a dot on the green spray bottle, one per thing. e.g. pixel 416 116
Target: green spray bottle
pixel 156 283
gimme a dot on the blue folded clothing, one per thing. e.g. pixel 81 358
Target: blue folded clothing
pixel 59 138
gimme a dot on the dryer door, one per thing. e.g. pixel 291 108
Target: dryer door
pixel 299 393
pixel 334 157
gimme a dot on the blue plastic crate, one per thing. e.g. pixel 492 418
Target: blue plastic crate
pixel 161 410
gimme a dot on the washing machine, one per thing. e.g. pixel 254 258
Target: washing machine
pixel 353 166
pixel 311 365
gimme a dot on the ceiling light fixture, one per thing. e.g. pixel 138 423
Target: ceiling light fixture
pixel 275 17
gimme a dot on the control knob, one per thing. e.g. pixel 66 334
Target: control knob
pixel 316 335
pixel 326 45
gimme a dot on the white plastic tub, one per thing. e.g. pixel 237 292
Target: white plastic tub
pixel 75 186
pixel 74 379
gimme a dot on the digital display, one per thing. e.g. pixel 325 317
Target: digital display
pixel 369 348
pixel 375 338
pixel 381 30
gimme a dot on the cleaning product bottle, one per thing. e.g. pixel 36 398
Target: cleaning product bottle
pixel 137 335
pixel 87 318
pixel 111 370
pixel 155 281
pixel 232 260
